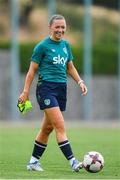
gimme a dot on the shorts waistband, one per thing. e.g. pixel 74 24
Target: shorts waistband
pixel 50 82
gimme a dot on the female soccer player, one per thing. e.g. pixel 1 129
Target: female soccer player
pixel 52 57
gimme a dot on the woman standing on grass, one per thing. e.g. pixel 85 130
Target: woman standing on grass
pixel 52 57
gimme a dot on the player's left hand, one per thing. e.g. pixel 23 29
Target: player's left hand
pixel 24 96
pixel 23 108
pixel 83 88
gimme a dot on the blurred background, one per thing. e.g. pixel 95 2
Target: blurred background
pixel 93 30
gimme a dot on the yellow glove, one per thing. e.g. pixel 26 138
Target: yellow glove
pixel 23 108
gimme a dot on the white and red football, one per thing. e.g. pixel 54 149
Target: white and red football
pixel 93 162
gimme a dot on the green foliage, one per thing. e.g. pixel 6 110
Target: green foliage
pixel 4 45
pixel 25 55
pixel 78 58
pixel 104 57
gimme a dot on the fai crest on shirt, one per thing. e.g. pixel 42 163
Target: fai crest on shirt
pixel 65 50
pixel 53 50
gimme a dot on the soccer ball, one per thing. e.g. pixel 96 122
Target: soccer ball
pixel 93 162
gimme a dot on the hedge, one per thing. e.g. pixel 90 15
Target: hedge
pixel 104 57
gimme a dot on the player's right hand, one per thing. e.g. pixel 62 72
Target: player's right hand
pixel 24 96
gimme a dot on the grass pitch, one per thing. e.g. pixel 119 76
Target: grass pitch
pixel 16 145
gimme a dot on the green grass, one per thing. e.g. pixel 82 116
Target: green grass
pixel 16 144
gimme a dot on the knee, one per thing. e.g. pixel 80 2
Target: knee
pixel 59 127
pixel 48 130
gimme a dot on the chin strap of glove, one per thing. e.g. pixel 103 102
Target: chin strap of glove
pixel 24 107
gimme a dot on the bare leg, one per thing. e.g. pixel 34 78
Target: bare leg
pixel 56 119
pixel 44 132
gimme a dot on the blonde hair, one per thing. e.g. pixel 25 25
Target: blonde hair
pixel 55 17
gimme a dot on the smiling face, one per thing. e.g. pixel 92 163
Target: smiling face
pixel 57 29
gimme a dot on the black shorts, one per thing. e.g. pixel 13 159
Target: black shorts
pixel 51 94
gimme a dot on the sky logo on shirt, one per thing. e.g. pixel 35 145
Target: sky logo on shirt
pixel 59 60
